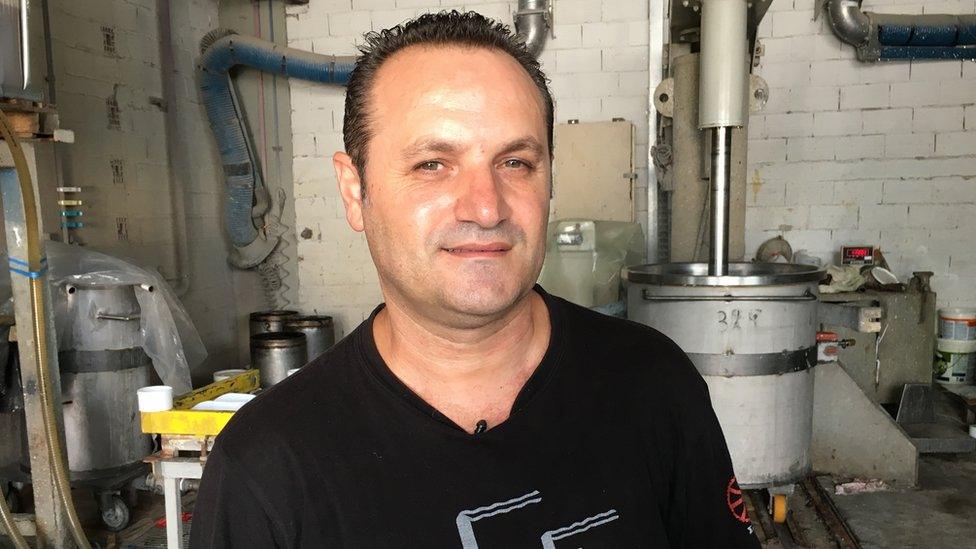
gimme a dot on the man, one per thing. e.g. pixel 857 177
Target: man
pixel 472 410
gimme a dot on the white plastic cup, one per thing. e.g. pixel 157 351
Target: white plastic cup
pixel 221 375
pixel 155 398
pixel 291 371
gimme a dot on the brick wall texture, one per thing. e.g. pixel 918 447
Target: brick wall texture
pixel 597 64
pixel 844 152
pixel 865 153
pixel 88 72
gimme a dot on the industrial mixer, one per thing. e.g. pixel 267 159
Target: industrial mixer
pixel 749 328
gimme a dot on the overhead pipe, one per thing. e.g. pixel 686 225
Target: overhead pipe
pixel 221 52
pixel 247 197
pixel 175 148
pixel 850 24
pixel 881 36
pixel 532 20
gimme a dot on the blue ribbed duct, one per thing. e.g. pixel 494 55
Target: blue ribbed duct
pixel 247 199
pixel 885 36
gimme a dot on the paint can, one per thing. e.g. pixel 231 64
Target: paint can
pixel 955 361
pixel 262 322
pixel 957 323
pixel 319 332
pixel 273 354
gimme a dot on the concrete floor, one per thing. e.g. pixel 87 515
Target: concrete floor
pixel 940 513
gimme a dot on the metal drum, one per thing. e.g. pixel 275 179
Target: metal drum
pixel 318 330
pixel 274 353
pixel 752 336
pixel 102 365
pixel 263 322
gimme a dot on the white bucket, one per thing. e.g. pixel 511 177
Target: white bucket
pixel 955 361
pixel 155 398
pixel 221 375
pixel 957 324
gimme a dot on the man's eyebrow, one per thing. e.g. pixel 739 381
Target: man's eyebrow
pixel 525 143
pixel 430 145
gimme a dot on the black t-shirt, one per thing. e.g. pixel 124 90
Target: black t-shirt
pixel 612 442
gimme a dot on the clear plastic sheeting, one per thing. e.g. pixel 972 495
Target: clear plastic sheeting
pixel 584 258
pixel 165 331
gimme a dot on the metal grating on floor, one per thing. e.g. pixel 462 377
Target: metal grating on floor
pixel 152 538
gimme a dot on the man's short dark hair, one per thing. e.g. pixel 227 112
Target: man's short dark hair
pixel 445 28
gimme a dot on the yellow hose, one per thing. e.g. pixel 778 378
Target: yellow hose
pixel 8 524
pixel 34 260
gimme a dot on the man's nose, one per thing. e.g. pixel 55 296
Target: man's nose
pixel 482 198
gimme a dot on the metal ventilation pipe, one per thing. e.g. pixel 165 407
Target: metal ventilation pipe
pixel 850 24
pixel 246 200
pixel 532 20
pixel 883 36
pixel 723 101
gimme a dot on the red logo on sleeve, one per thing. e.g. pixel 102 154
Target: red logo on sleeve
pixel 735 501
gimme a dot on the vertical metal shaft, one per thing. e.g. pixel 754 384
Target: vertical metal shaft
pixel 721 164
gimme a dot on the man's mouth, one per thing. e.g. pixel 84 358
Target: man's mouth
pixel 492 249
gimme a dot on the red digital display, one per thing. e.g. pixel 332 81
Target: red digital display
pixel 857 255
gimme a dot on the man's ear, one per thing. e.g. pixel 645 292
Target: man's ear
pixel 350 189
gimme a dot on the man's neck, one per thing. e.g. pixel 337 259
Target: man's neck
pixel 468 374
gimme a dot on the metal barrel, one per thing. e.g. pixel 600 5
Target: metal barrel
pixel 274 353
pixel 102 365
pixel 262 322
pixel 318 330
pixel 752 335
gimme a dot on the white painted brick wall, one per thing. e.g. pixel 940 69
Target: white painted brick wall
pixel 597 65
pixel 851 152
pixel 220 297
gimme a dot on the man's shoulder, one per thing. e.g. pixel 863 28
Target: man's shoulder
pixel 602 332
pixel 299 404
pixel 633 352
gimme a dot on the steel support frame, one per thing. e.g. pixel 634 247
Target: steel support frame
pixel 172 471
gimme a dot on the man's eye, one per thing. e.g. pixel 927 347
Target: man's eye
pixel 515 163
pixel 429 166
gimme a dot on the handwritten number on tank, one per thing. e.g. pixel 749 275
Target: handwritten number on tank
pixel 730 320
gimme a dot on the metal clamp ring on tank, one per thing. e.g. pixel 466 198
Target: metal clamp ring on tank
pixel 739 274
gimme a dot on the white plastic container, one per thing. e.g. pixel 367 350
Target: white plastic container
pixel 155 398
pixel 954 361
pixel 958 324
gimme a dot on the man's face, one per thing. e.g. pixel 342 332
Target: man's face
pixel 456 182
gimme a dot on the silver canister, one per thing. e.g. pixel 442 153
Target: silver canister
pixel 274 353
pixel 262 322
pixel 102 365
pixel 318 330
